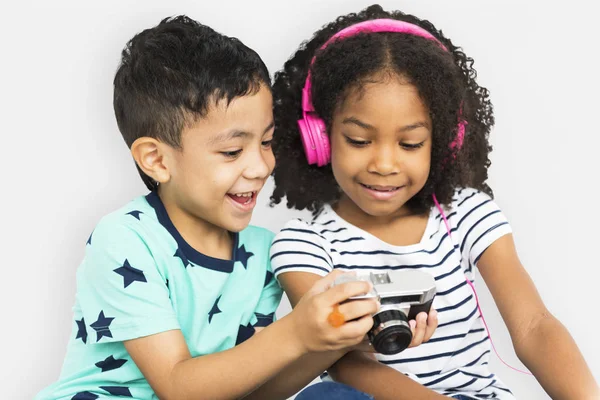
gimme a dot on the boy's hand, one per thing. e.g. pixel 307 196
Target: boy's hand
pixel 423 328
pixel 310 316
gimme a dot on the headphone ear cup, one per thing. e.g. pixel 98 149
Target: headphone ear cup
pixel 321 139
pixel 313 133
pixel 310 148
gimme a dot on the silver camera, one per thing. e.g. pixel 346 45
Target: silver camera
pixel 402 295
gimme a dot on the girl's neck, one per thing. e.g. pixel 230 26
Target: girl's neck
pixel 402 228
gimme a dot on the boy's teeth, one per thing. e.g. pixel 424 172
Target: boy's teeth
pixel 242 198
pixel 248 194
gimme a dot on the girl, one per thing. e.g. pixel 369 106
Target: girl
pixel 389 111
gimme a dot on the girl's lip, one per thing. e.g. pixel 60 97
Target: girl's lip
pixel 380 187
pixel 381 194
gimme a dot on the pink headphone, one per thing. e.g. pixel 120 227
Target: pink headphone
pixel 312 128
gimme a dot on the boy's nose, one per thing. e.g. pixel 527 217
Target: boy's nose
pixel 260 166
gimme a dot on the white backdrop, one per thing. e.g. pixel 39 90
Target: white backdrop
pixel 64 164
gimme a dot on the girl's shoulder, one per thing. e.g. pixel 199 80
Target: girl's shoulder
pixel 325 222
pixel 465 199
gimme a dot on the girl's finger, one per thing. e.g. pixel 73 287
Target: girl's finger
pixel 419 331
pixel 432 323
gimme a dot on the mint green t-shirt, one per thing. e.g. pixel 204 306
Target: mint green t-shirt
pixel 139 277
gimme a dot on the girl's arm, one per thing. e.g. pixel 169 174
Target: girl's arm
pixel 361 370
pixel 541 342
pixel 296 375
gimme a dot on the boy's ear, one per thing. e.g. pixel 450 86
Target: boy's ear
pixel 148 154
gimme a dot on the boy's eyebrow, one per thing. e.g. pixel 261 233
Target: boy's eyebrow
pixel 268 128
pixel 235 134
pixel 224 137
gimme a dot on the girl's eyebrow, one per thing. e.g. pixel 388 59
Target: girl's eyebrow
pixel 364 125
pixel 356 121
pixel 416 125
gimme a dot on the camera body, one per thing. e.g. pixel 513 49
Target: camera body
pixel 402 295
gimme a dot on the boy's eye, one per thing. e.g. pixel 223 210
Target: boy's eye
pixel 231 154
pixel 412 146
pixel 356 143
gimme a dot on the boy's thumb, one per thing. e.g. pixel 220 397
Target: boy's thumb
pixel 325 283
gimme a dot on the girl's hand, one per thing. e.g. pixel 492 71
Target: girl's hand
pixel 423 328
pixel 310 316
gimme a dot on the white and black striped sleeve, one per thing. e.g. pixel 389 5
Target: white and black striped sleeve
pixel 299 248
pixel 481 223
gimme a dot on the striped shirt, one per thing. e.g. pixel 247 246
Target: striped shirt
pixel 455 360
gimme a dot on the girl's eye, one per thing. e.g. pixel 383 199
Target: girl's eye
pixel 232 154
pixel 356 143
pixel 267 143
pixel 410 146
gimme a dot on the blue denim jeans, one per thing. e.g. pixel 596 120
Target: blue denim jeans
pixel 332 391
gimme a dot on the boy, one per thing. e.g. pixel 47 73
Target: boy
pixel 174 286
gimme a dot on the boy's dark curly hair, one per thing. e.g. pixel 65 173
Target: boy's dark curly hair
pixel 171 73
pixel 444 79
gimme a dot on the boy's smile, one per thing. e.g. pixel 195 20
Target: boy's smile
pixel 245 200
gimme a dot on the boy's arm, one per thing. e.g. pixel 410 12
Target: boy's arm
pixel 232 374
pixel 359 369
pixel 166 363
pixel 541 342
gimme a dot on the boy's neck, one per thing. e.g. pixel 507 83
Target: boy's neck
pixel 204 237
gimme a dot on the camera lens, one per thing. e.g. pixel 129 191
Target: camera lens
pixel 390 333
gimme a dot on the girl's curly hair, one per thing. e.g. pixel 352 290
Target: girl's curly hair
pixel 445 81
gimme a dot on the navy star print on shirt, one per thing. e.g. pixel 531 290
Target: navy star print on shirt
pixel 101 326
pixel 268 278
pixel 244 255
pixel 214 310
pixel 244 333
pixel 130 274
pixel 135 214
pixel 182 256
pixel 110 363
pixel 81 330
pixel 84 396
pixel 117 390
